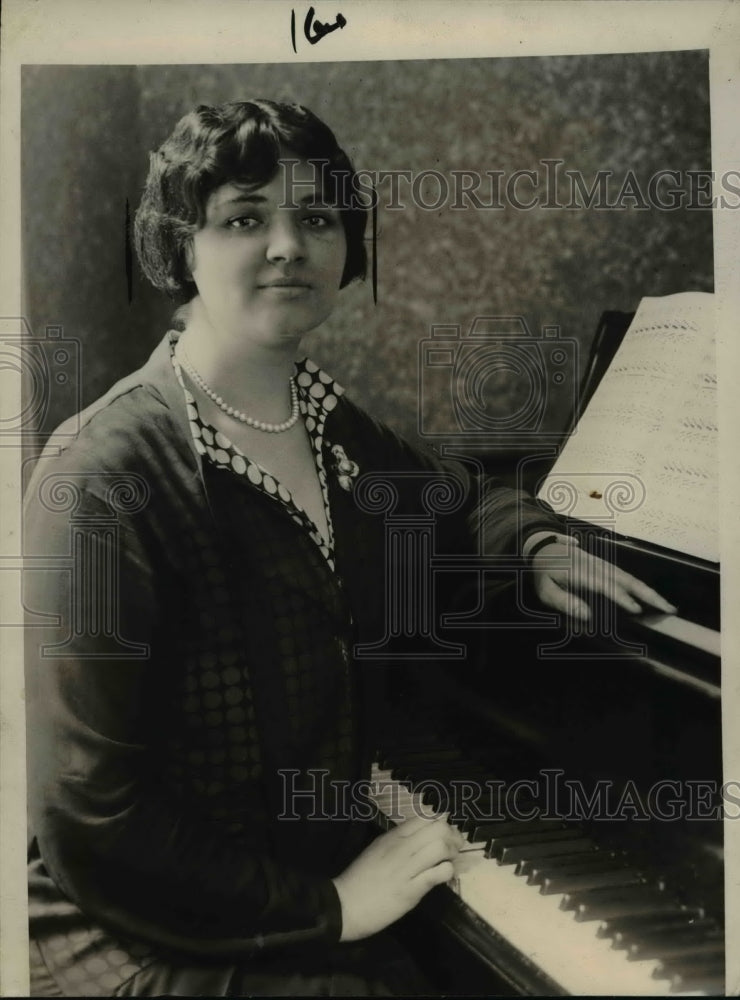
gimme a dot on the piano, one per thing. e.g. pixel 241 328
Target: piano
pixel 584 767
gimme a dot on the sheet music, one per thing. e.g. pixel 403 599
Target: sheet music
pixel 644 458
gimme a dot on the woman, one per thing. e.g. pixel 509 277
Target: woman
pixel 204 577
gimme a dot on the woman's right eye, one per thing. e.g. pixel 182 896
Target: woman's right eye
pixel 242 222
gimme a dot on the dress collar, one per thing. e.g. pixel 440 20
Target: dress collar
pixel 317 387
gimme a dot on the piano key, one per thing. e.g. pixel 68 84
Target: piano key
pixel 535 869
pixel 705 985
pixel 623 929
pixel 503 828
pixel 489 809
pixel 590 880
pixel 511 854
pixel 665 946
pixel 631 900
pixel 534 834
pixel 688 974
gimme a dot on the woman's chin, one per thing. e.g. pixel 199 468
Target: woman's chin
pixel 292 332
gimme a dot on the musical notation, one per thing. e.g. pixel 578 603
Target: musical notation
pixel 653 418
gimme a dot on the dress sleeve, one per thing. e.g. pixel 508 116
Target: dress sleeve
pixel 117 845
pixel 495 518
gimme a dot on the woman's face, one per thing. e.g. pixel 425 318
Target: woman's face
pixel 268 262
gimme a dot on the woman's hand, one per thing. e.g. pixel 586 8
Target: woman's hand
pixel 562 571
pixel 391 875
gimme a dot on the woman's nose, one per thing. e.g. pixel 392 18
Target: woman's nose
pixel 285 241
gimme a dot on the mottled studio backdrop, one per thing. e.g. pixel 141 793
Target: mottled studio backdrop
pixel 87 132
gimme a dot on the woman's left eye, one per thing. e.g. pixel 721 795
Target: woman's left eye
pixel 317 221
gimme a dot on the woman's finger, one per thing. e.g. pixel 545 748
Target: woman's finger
pixel 436 833
pixel 437 875
pixel 410 827
pixel 429 855
pixel 647 595
pixel 555 597
pixel 600 577
pixel 604 577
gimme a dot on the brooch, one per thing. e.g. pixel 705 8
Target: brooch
pixel 345 468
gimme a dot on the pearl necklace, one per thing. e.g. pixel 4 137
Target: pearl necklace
pixel 260 425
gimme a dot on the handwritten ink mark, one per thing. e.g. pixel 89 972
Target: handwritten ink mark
pixel 320 30
pixel 314 30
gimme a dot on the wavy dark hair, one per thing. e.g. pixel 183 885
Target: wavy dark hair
pixel 239 142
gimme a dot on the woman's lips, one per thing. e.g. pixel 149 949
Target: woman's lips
pixel 286 289
pixel 285 283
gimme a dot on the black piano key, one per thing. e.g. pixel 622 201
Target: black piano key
pixel 690 974
pixel 625 929
pixel 454 797
pixel 584 864
pixel 616 877
pixel 512 853
pixel 515 828
pixel 485 816
pixel 709 985
pixel 442 794
pixel 533 835
pixel 473 817
pixel 591 864
pixel 637 941
pixel 670 946
pixel 535 869
pixel 598 904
